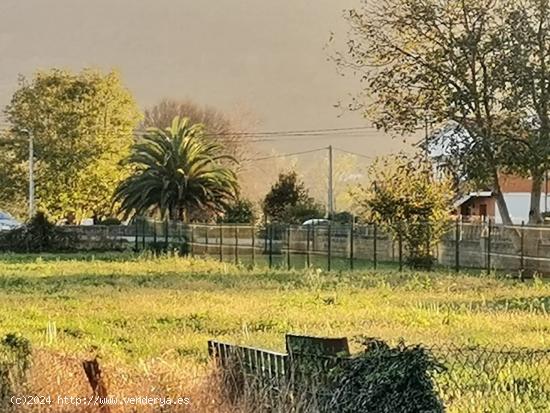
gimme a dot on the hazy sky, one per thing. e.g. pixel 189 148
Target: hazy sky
pixel 266 56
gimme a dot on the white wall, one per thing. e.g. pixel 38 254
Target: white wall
pixel 518 206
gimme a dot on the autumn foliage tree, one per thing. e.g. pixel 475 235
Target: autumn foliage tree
pixel 481 65
pixel 82 126
pixel 227 130
pixel 407 201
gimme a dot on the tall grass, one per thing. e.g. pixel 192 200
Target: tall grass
pixel 149 318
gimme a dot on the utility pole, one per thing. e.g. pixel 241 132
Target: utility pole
pixel 31 175
pixel 31 171
pixel 546 191
pixel 330 194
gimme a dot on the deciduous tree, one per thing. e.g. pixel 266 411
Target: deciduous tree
pixel 480 64
pixel 82 125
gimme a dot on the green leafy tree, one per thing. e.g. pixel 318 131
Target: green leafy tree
pixel 305 209
pixel 82 126
pixel 240 212
pixel 177 171
pixel 479 65
pixel 408 202
pixel 289 200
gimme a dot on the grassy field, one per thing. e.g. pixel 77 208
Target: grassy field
pixel 138 310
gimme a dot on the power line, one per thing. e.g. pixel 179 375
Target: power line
pixel 354 153
pixel 299 132
pixel 284 155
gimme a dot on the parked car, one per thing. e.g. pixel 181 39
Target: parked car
pixel 7 222
pixel 317 222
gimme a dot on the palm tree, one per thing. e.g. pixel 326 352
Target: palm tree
pixel 177 170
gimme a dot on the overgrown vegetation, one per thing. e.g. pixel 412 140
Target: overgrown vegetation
pixel 15 352
pixel 38 235
pixel 408 202
pixel 385 379
pixel 239 212
pixel 138 311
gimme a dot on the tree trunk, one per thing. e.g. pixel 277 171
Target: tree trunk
pixel 505 214
pixel 535 216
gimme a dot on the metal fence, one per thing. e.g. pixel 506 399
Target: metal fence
pixel 474 379
pixel 476 246
pixel 462 246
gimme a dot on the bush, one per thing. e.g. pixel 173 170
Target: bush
pixel 111 221
pixel 409 203
pixel 15 352
pixel 241 212
pixel 385 380
pixel 38 235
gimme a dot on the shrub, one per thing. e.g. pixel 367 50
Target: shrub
pixel 385 380
pixel 15 352
pixel 111 221
pixel 407 200
pixel 240 212
pixel 38 235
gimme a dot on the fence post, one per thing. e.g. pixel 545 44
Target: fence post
pixel 137 234
pixel 428 240
pixel 308 257
pixel 143 234
pixel 489 247
pixel 457 244
pixel 155 234
pixel 166 229
pixel 192 243
pixel 400 244
pixel 288 246
pixel 236 231
pixel 351 242
pixel 206 239
pixel 374 252
pixel 221 241
pixel 522 257
pixel 253 230
pixel 270 245
pixel 329 246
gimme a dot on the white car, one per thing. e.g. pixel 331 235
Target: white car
pixel 7 222
pixel 316 221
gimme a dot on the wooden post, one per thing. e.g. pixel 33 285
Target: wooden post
pixel 94 376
